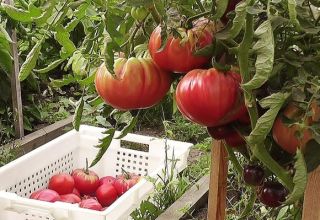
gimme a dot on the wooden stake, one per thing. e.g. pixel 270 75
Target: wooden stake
pixel 218 182
pixel 311 205
pixel 15 85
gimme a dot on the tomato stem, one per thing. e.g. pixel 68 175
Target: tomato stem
pixel 258 150
pixel 195 17
pixel 126 174
pixel 155 14
pixel 87 167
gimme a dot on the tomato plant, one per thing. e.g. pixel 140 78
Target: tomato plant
pixel 275 44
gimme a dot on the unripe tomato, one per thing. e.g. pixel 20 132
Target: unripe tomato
pixel 46 195
pixel 286 136
pixel 91 203
pixel 86 181
pixel 178 54
pixel 61 183
pixel 253 175
pixel 272 194
pixel 210 97
pixel 106 194
pixel 139 13
pixel 138 83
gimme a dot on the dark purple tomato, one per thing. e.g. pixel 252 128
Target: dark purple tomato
pixel 272 194
pixel 253 175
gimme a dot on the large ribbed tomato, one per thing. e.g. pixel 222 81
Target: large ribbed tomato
pixel 210 97
pixel 177 55
pixel 286 136
pixel 138 83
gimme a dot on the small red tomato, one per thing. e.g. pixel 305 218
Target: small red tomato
pixel 91 204
pixel 46 195
pixel 85 181
pixel 106 194
pixel 70 198
pixel 234 139
pixel 107 179
pixel 76 192
pixel 253 175
pixel 272 194
pixel 61 183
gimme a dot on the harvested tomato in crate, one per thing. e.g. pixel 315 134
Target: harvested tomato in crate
pixel 31 174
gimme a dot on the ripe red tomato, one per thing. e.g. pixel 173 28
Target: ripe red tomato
pixel 125 181
pixel 227 132
pixel 178 54
pixel 107 179
pixel 91 203
pixel 286 136
pixel 46 195
pixel 61 183
pixel 70 198
pixel 138 83
pixel 210 97
pixel 85 181
pixel 272 194
pixel 106 194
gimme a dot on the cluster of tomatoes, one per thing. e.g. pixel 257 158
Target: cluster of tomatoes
pixel 84 187
pixel 140 83
pixel 270 193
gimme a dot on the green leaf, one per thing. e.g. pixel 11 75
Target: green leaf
pixel 237 23
pixel 63 37
pixel 264 124
pixel 6 61
pixel 42 19
pixel 30 61
pixel 221 7
pixel 78 115
pixel 250 204
pixel 128 127
pixel 104 145
pixel 299 179
pixel 4 34
pixel 66 80
pixel 50 67
pixel 282 213
pixel 17 14
pixel 312 155
pixel 264 48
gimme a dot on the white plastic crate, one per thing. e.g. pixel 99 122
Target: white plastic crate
pixel 31 172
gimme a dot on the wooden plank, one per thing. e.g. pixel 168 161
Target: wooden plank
pixel 42 136
pixel 194 198
pixel 15 85
pixel 218 182
pixel 311 204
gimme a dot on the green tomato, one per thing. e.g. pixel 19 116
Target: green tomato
pixel 139 13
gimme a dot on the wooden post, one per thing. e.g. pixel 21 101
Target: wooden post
pixel 15 85
pixel 311 204
pixel 218 182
